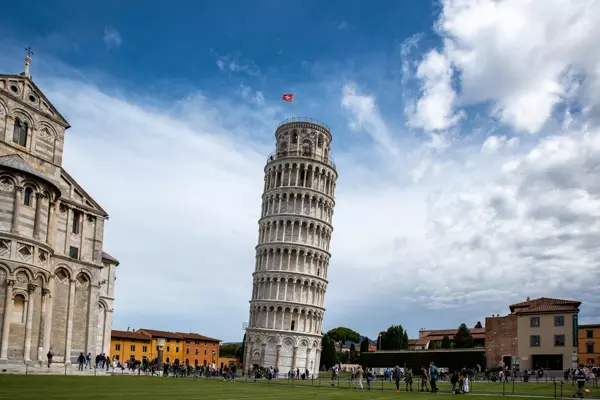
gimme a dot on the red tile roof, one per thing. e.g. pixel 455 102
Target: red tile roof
pixel 129 335
pixel 161 334
pixel 438 334
pixel 545 304
pixel 195 336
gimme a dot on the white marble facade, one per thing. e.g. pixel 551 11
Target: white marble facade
pixel 56 282
pixel 292 255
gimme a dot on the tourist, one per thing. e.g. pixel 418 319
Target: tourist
pixel 359 376
pixel 49 355
pixel 433 374
pixel 81 361
pixel 580 378
pixel 370 376
pixel 454 380
pixel 424 380
pixel 408 378
pixel 397 376
pixel 465 382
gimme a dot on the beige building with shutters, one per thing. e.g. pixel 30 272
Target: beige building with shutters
pixel 56 282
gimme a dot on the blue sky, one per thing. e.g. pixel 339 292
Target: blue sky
pixel 465 134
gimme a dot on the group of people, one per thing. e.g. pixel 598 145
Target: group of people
pixel 101 361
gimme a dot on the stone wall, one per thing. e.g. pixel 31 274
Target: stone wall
pixel 500 339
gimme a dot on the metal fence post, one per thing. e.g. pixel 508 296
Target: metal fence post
pixel 65 369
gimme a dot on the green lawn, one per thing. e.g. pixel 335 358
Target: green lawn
pixel 19 387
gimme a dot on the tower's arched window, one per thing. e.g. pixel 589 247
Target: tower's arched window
pixel 20 132
pixel 294 137
pixel 320 141
pixel 28 197
pixel 18 316
pixel 283 148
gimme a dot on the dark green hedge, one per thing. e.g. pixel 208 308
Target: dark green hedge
pixel 452 359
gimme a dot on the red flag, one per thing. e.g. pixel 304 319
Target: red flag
pixel 287 97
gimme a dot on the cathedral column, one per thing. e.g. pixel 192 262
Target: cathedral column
pixel 10 126
pixel 278 355
pixel 70 313
pixel 81 228
pixel 39 197
pixel 29 324
pixel 48 324
pixel 294 357
pixel 8 310
pixel 107 323
pixel 50 224
pixel 16 209
pixel 43 327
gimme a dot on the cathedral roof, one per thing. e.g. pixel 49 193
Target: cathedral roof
pixel 106 256
pixel 16 162
pixel 51 111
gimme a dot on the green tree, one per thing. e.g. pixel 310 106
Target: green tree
pixel 446 342
pixel 364 345
pixel 341 335
pixel 394 338
pixel 478 325
pixel 328 353
pixel 463 338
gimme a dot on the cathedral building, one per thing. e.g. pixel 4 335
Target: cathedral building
pixel 56 282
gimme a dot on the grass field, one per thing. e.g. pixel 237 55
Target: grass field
pixel 19 387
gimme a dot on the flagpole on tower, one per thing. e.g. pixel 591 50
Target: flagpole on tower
pixel 294 103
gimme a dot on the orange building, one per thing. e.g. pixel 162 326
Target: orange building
pixel 199 350
pixel 589 344
pixel 124 345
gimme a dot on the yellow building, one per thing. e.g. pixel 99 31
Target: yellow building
pixel 190 348
pixel 124 345
pixel 173 351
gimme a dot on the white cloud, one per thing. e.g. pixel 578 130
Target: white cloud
pixel 112 37
pixel 494 143
pixel 524 57
pixel 235 64
pixel 435 108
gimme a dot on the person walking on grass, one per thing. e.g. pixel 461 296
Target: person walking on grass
pixel 397 375
pixel 370 376
pixel 424 380
pixel 359 377
pixel 433 374
pixel 408 378
pixel 580 378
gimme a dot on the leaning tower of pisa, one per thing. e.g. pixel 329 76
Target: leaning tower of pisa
pixel 292 255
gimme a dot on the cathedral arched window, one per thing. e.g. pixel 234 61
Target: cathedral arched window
pixel 28 197
pixel 20 132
